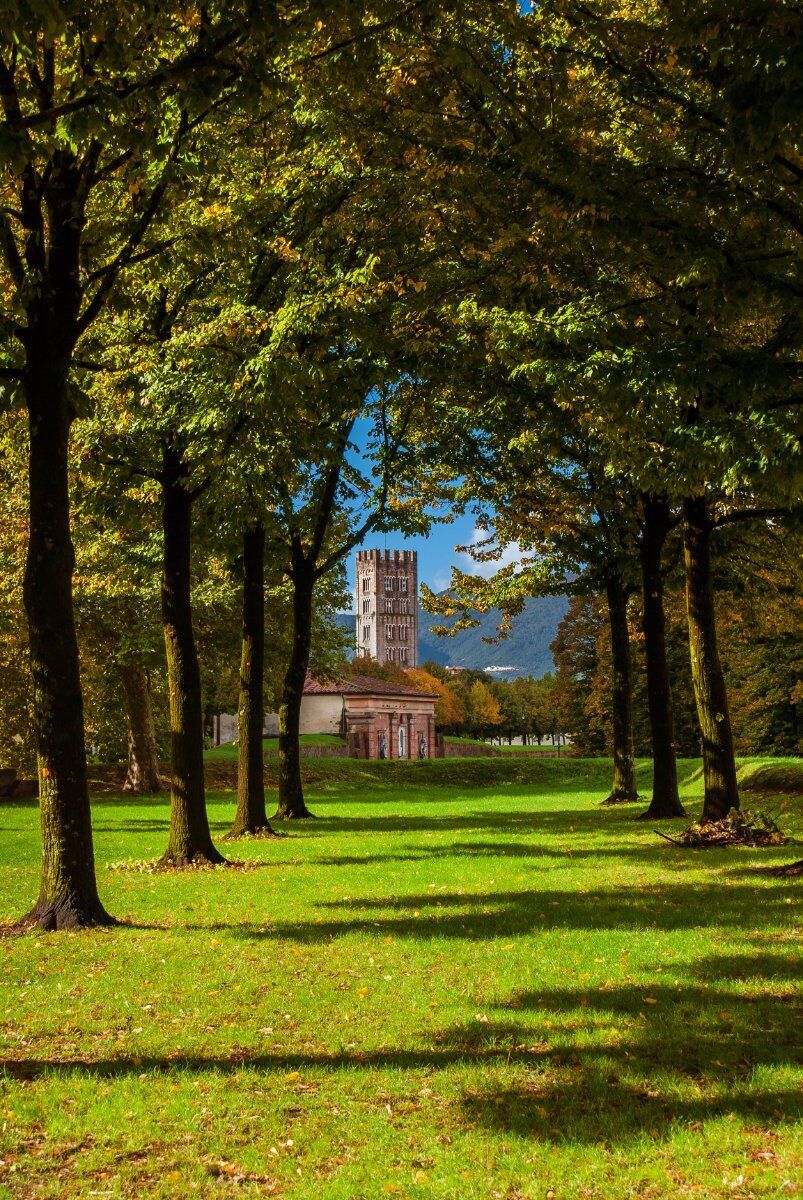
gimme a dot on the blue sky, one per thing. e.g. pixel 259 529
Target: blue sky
pixel 436 550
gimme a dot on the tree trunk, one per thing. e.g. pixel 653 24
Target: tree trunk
pixel 291 792
pixel 251 817
pixel 665 802
pixel 190 840
pixel 623 789
pixel 143 777
pixel 68 896
pixel 719 762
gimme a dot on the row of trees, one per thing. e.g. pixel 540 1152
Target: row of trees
pixel 274 277
pixel 201 276
pixel 758 588
pixel 638 359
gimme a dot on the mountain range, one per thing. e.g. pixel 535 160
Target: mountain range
pixel 525 650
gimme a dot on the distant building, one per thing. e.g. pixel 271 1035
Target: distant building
pixel 387 606
pixel 379 719
pixel 376 718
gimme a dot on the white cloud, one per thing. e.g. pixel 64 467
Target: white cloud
pixel 511 553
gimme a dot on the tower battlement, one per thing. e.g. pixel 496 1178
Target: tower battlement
pixel 387 606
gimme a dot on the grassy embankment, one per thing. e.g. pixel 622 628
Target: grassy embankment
pixel 465 980
pixel 271 745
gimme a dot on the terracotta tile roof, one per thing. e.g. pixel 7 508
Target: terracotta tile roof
pixel 362 685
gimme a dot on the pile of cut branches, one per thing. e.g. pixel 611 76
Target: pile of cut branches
pixel 738 828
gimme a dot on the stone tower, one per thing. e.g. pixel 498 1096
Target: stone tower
pixel 387 606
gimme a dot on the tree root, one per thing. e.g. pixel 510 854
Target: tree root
pixel 656 814
pixel 131 789
pixel 284 814
pixel 254 832
pixel 200 860
pixel 619 798
pixel 54 915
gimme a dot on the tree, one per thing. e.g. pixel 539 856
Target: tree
pixel 17 734
pixel 666 301
pixel 89 146
pixel 655 525
pixel 314 529
pixel 696 341
pixel 142 776
pixel 164 423
pixel 251 816
pixel 484 713
pixel 548 492
pixel 338 363
pixel 99 108
pixel 538 705
pixel 450 713
pixel 757 571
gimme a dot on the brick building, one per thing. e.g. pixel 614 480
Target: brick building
pixel 387 606
pixel 380 719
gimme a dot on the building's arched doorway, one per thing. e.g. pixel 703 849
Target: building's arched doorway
pixel 402 742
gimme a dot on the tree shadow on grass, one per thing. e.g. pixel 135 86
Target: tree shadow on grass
pixel 593 1106
pixel 652 854
pixel 507 821
pixel 150 825
pixel 567 823
pixel 666 1040
pixel 608 1065
pixel 478 916
pixel 761 869
pixel 780 966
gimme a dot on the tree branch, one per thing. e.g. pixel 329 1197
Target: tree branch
pixel 756 514
pixel 126 254
pixel 203 53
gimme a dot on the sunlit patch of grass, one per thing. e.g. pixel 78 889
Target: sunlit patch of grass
pixel 466 986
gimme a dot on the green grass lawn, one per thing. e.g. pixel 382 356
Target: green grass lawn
pixel 466 983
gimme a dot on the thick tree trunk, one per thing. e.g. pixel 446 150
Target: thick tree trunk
pixel 291 792
pixel 68 896
pixel 719 762
pixel 623 789
pixel 665 802
pixel 250 817
pixel 142 777
pixel 190 840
